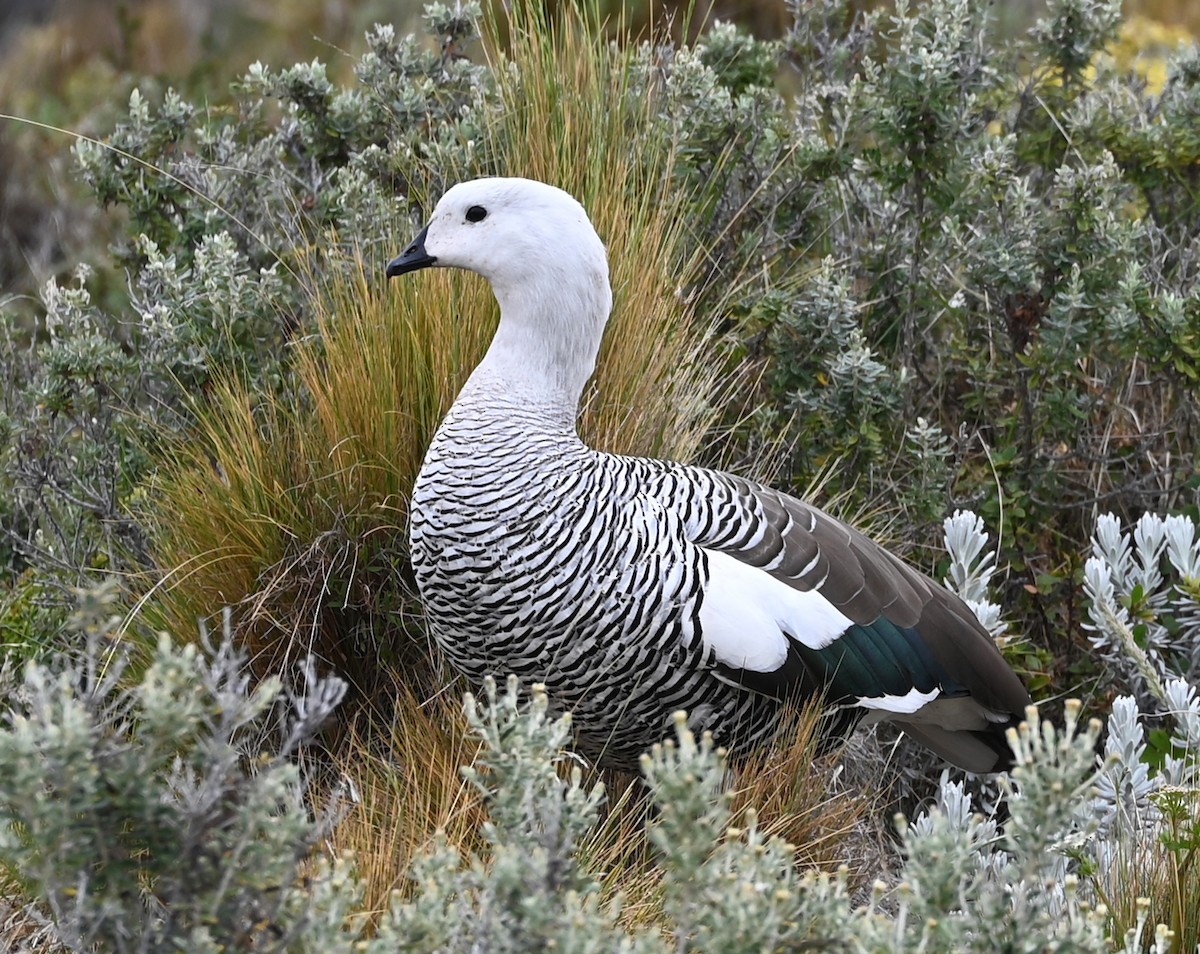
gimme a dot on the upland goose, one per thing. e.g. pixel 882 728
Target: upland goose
pixel 634 587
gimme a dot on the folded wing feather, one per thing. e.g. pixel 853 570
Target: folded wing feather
pixel 910 650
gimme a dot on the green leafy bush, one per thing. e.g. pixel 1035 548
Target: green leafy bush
pixel 975 236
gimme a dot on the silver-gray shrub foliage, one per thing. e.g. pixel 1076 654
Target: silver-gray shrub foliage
pixel 1146 622
pixel 529 892
pixel 927 227
pixel 1010 251
pixel 144 812
pixel 1143 586
pixel 995 210
pixel 232 211
pixel 144 815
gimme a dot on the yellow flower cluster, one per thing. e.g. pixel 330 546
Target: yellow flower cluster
pixel 1144 47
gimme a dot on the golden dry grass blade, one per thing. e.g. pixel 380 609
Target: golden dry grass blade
pixel 789 786
pixel 577 119
pixel 409 786
pixel 293 511
pixel 619 855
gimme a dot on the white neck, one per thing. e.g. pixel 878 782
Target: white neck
pixel 545 348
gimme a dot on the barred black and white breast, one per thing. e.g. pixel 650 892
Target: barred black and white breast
pixel 633 588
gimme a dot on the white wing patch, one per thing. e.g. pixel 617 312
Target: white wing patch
pixel 747 615
pixel 907 704
pixel 945 714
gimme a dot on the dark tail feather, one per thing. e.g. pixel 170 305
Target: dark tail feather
pixel 977 750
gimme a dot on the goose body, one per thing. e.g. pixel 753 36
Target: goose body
pixel 634 587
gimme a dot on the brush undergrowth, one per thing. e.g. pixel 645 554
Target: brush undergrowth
pixel 290 506
pixel 143 814
pixel 926 233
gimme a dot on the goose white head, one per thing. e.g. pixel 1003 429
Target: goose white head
pixel 547 267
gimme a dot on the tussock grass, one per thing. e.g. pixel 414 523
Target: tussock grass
pixel 1158 873
pixel 407 787
pixel 293 510
pixel 574 120
pixel 789 785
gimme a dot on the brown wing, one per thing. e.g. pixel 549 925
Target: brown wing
pixel 909 633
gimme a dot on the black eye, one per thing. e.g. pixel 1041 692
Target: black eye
pixel 476 213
